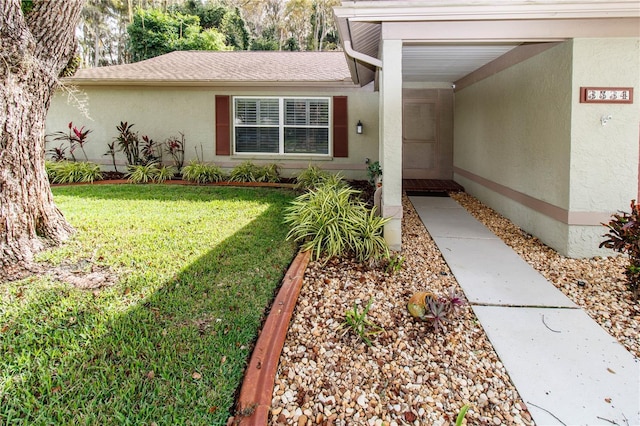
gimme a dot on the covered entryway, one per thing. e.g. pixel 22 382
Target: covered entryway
pixel 524 142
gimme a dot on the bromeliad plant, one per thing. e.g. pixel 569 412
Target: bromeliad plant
pixel 624 237
pixel 433 309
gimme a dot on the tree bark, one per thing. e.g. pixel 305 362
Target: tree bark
pixel 34 48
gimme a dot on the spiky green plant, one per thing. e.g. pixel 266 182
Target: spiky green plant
pixel 165 173
pixel 142 173
pixel 311 177
pixel 358 322
pixel 72 172
pixel 245 172
pixel 330 221
pixel 268 173
pixel 199 172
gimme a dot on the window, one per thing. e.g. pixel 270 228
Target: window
pixel 281 125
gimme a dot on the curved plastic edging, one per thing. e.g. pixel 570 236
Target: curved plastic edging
pixel 256 392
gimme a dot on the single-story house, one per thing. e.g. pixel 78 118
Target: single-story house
pixel 530 105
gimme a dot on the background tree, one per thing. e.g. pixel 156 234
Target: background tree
pixel 226 19
pixel 324 32
pixel 154 32
pixel 298 23
pixel 35 47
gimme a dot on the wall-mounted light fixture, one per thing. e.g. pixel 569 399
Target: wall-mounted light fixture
pixel 359 127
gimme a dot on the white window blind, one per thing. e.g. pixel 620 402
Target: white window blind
pixel 281 125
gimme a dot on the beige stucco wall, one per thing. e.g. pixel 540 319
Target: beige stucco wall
pixel 514 129
pixel 522 134
pixel 604 158
pixel 161 112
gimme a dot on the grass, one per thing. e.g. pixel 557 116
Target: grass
pixel 169 342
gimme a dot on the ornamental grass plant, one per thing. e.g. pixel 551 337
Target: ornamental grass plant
pixel 72 171
pixel 331 221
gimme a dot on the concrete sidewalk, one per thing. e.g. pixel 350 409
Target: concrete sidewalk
pixel 567 369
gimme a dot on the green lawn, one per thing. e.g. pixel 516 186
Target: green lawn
pixel 169 342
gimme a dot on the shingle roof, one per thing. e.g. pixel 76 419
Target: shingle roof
pixel 207 67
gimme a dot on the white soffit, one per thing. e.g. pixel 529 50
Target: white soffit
pixel 447 62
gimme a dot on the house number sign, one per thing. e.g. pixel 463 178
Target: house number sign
pixel 606 95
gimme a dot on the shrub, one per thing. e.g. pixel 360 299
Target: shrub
pixel 129 143
pixel 374 171
pixel 330 221
pixel 174 146
pixel 268 173
pixel 138 150
pixel 202 173
pixel 250 172
pixel 72 172
pixel 245 172
pixel 74 137
pixel 311 177
pixel 142 173
pixel 624 237
pixel 165 173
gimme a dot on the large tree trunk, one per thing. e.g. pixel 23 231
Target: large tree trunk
pixel 34 48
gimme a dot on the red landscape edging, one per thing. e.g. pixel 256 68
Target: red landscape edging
pixel 256 392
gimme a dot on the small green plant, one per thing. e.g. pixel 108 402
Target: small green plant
pixel 311 177
pixel 199 172
pixel 394 263
pixel 461 414
pixel 435 310
pixel 358 322
pixel 142 173
pixel 72 172
pixel 374 171
pixel 330 221
pixel 624 237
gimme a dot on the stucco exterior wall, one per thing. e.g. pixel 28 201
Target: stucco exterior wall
pixel 514 129
pixel 161 112
pixel 604 158
pixel 526 146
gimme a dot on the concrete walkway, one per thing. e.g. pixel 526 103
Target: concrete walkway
pixel 567 369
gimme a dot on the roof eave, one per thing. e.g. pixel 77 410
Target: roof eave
pixel 205 83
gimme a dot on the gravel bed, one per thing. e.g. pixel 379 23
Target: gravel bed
pixel 413 375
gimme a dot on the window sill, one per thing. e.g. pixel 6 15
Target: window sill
pixel 280 157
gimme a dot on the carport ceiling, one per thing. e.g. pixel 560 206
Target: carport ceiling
pixel 447 62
